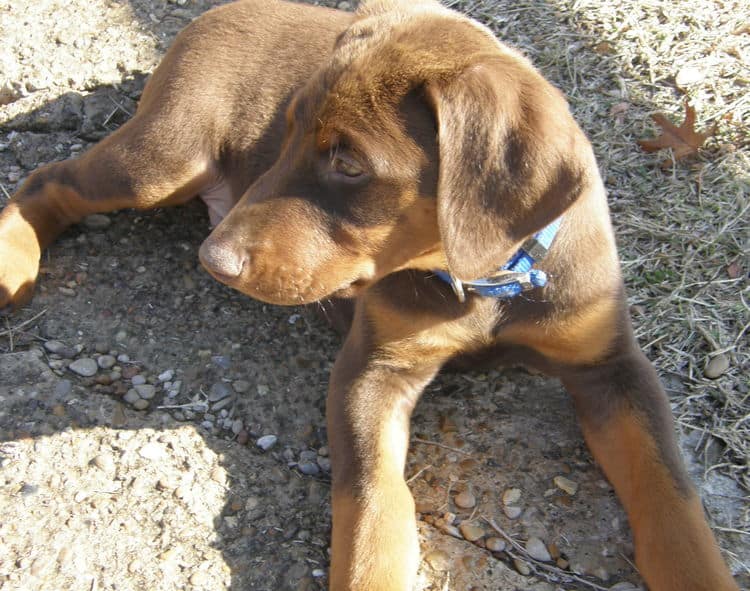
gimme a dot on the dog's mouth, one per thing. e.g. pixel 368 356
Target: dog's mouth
pixel 351 289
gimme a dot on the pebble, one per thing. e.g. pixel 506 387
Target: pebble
pixel 104 462
pixel 494 544
pixel 138 380
pixel 308 468
pixel 123 358
pixel 219 391
pixel 96 221
pixel 146 391
pixel 438 560
pixel 262 389
pixel 200 579
pixel 85 367
pixel 241 386
pixel 208 425
pixel 166 376
pixel 237 426
pixel 566 485
pixel 140 404
pixel 536 549
pixel 716 367
pixel 512 511
pixel 689 75
pixel 511 496
pixel 471 532
pixel 308 455
pixel 106 361
pixel 325 464
pixel 61 349
pixel 465 500
pixel 131 396
pixel 222 404
pixel 522 567
pixel 221 361
pixel 267 442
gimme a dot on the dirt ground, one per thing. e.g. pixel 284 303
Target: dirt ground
pixel 97 494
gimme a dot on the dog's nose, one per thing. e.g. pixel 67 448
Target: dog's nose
pixel 220 258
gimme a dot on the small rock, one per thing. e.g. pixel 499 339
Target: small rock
pixel 465 500
pixel 307 455
pixel 267 442
pixel 512 511
pixel 146 391
pixel 566 485
pixel 438 560
pixel 131 396
pixel 85 367
pixel 222 404
pixel 511 496
pixel 243 437
pixel 262 390
pixel 104 462
pixel 219 391
pixel 96 221
pixel 166 376
pixel 308 468
pixel 138 380
pixel 494 544
pixel 717 366
pixel 324 463
pixel 241 386
pixel 536 549
pixel 123 357
pixel 221 361
pixel 689 75
pixel 237 426
pixel 522 567
pixel 106 361
pixel 471 532
pixel 152 451
pixel 140 404
pixel 200 579
pixel 61 349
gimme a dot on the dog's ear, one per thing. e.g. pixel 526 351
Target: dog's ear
pixel 512 159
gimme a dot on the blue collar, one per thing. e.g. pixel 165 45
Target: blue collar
pixel 515 276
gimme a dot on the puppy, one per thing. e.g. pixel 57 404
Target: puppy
pixel 404 159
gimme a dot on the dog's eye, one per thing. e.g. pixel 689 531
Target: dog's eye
pixel 346 166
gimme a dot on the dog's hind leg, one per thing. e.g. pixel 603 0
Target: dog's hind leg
pixel 143 164
pixel 628 426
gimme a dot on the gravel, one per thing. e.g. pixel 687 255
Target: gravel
pixel 149 500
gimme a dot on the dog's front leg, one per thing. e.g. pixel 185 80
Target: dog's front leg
pixel 371 397
pixel 627 423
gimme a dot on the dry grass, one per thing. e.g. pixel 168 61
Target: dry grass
pixel 679 229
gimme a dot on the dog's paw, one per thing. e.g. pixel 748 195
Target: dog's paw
pixel 19 265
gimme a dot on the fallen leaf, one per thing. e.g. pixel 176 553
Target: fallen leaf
pixel 683 140
pixel 734 270
pixel 604 48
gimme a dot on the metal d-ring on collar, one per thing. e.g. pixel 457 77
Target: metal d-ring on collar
pixel 516 276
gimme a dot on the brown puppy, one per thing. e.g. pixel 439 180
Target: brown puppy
pixel 358 173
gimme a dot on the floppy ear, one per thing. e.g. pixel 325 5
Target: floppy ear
pixel 512 159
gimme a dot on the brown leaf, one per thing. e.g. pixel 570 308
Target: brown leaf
pixel 734 270
pixel 683 140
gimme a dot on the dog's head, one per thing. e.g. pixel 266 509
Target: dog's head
pixel 421 143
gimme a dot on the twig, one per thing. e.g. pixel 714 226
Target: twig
pixel 427 467
pixel 534 563
pixel 442 445
pixel 24 323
